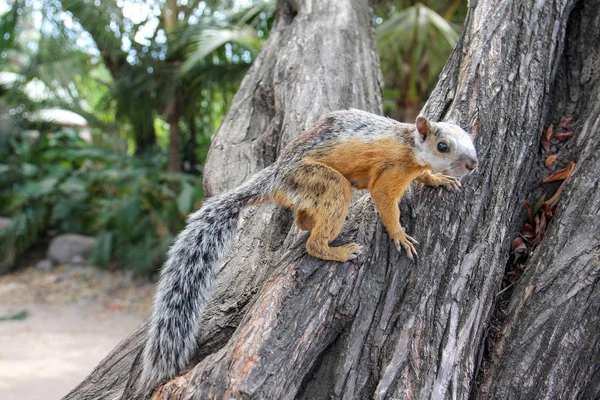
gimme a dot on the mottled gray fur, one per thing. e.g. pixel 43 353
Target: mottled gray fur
pixel 187 276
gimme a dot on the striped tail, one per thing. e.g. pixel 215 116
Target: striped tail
pixel 187 276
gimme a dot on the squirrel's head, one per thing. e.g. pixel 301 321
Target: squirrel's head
pixel 445 147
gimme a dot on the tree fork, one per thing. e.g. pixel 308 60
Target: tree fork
pixel 284 325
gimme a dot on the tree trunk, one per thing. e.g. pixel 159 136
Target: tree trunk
pixel 550 346
pixel 174 150
pixel 142 121
pixel 284 325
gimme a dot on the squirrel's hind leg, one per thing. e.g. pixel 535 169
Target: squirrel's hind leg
pixel 321 196
pixel 303 221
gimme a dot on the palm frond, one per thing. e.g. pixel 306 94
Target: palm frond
pixel 416 26
pixel 206 41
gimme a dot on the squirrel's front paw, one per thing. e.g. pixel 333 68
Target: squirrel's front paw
pixel 449 182
pixel 408 243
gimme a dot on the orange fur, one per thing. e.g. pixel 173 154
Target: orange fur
pixel 303 221
pixel 360 161
pixel 438 179
pixel 319 190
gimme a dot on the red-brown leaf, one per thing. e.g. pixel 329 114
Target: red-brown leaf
pixel 113 306
pixel 529 215
pixel 546 138
pixel 566 121
pixel 528 231
pixel 562 174
pixel 549 210
pixel 563 135
pixel 541 227
pixel 552 201
pixel 550 160
pixel 516 243
pixel 521 249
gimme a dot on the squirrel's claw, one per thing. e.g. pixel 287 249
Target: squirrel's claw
pixel 352 251
pixel 451 183
pixel 408 244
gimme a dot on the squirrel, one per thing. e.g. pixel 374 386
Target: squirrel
pixel 313 176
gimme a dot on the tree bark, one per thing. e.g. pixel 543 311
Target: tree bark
pixel 284 325
pixel 142 121
pixel 550 346
pixel 174 150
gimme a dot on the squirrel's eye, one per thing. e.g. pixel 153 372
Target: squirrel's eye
pixel 442 147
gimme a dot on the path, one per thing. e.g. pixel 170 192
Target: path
pixel 74 318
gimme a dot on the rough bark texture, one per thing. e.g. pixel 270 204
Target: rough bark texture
pixel 284 325
pixel 551 342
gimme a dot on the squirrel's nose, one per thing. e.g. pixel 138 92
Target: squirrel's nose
pixel 471 163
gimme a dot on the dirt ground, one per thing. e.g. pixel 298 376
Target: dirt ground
pixel 73 317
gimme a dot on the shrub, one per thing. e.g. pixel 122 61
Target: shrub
pixel 60 183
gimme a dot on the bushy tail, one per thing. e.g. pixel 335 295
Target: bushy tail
pixel 187 276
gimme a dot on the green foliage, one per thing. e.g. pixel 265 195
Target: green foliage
pixel 415 40
pixel 124 65
pixel 60 183
pixel 128 73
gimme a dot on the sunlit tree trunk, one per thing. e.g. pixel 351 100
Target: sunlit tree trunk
pixel 282 324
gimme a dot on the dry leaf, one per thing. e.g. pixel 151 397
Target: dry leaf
pixel 113 306
pixel 546 138
pixel 550 160
pixel 562 174
pixel 521 249
pixel 566 121
pixel 529 215
pixel 549 210
pixel 516 243
pixel 570 168
pixel 528 231
pixel 541 226
pixel 564 135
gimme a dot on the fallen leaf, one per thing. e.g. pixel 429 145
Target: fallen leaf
pixel 570 168
pixel 562 174
pixel 529 215
pixel 564 135
pixel 516 243
pixel 546 138
pixel 113 306
pixel 549 210
pixel 566 121
pixel 17 316
pixel 541 226
pixel 521 249
pixel 528 231
pixel 550 160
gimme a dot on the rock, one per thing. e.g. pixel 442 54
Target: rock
pixel 44 265
pixel 77 261
pixel 4 223
pixel 63 248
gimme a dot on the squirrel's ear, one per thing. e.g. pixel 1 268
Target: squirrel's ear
pixel 423 126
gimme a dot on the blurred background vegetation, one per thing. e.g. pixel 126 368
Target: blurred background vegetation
pixel 108 107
